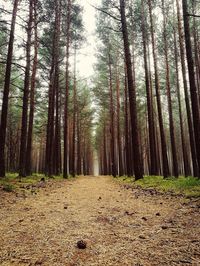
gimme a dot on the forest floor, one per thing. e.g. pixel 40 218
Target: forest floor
pixel 121 225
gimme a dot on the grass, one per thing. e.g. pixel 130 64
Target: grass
pixel 8 187
pixel 13 182
pixel 188 186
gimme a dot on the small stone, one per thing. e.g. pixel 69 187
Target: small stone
pixel 99 198
pixel 81 244
pixel 128 213
pixel 65 207
pixel 164 227
pixel 157 214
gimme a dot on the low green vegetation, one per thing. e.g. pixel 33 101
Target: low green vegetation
pixel 8 187
pixel 188 186
pixel 13 182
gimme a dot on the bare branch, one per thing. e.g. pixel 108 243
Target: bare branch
pixel 193 15
pixel 105 12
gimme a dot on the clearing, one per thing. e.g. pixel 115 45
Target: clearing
pixel 121 225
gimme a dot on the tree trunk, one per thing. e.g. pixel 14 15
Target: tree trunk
pixel 57 142
pixel 185 86
pixel 32 97
pixel 73 173
pixel 138 169
pixel 186 164
pixel 151 127
pixel 193 88
pixel 23 145
pixel 121 170
pixel 165 163
pixel 52 93
pixel 168 89
pixel 128 147
pixel 79 151
pixel 112 122
pixel 6 91
pixel 66 150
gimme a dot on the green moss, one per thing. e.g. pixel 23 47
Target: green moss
pixel 12 181
pixel 8 187
pixel 188 186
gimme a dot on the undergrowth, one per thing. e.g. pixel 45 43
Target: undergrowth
pixel 13 182
pixel 188 186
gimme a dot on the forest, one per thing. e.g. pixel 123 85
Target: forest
pixel 140 111
pixel 64 136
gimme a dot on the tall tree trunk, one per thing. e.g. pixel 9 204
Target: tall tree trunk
pixel 168 89
pixel 128 147
pixel 6 91
pixel 22 158
pixel 73 173
pixel 70 132
pixel 66 149
pixel 151 127
pixel 105 156
pixel 165 163
pixel 112 122
pixel 52 93
pixel 32 96
pixel 57 142
pixel 193 88
pixel 50 124
pixel 121 170
pixel 196 52
pixel 138 169
pixel 185 86
pixel 79 157
pixel 186 165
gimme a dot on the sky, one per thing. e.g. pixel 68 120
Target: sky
pixel 86 55
pixel 86 58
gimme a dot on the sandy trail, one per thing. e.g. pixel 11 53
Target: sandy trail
pixel 121 226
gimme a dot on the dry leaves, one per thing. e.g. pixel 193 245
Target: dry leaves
pixel 120 226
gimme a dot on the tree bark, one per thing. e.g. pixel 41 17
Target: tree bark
pixel 192 79
pixel 24 123
pixel 185 86
pixel 66 148
pixel 186 165
pixel 165 163
pixel 6 91
pixel 120 155
pixel 151 126
pixel 73 170
pixel 50 165
pixel 32 96
pixel 168 90
pixel 112 121
pixel 138 169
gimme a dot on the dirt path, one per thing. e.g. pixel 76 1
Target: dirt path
pixel 121 226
